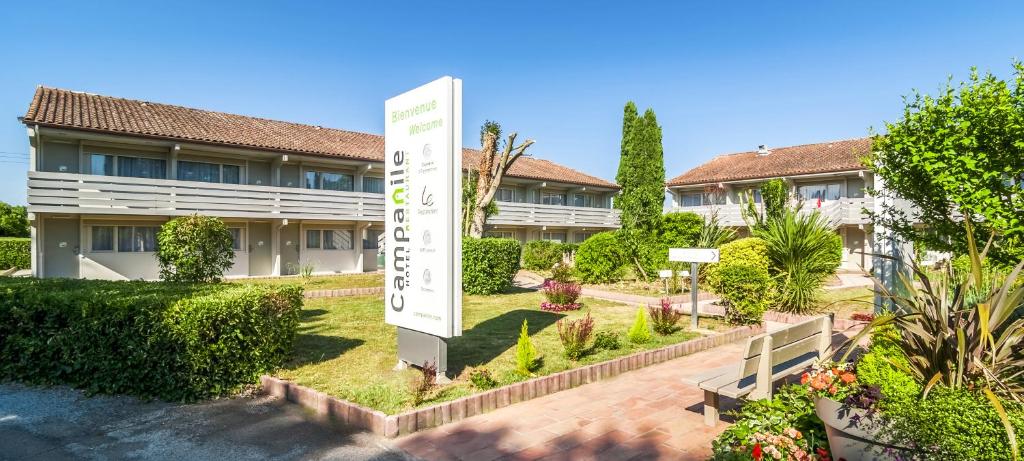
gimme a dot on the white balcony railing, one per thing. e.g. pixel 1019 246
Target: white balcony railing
pixel 78 193
pixel 844 211
pixel 514 213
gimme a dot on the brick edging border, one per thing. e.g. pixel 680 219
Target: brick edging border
pixel 341 412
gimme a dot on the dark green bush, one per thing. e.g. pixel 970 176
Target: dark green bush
pixel 15 252
pixel 489 264
pixel 607 340
pixel 680 230
pixel 600 259
pixel 541 254
pixel 177 342
pixel 954 424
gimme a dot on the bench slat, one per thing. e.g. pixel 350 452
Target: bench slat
pixel 709 375
pixel 785 336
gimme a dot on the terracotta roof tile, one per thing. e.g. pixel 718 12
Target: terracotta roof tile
pixel 823 157
pixel 76 110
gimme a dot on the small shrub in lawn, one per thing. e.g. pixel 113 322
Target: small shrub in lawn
pixel 664 318
pixel 15 253
pixel 639 333
pixel 424 382
pixel 482 379
pixel 607 340
pixel 526 354
pixel 560 296
pixel 194 249
pixel 489 265
pixel 562 272
pixel 575 334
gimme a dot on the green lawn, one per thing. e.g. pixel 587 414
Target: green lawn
pixel 345 349
pixel 324 282
pixel 845 301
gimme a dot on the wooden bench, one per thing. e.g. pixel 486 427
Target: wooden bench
pixel 769 357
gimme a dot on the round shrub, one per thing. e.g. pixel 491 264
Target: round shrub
pixel 489 264
pixel 194 249
pixel 750 251
pixel 600 258
pixel 747 291
pixel 541 254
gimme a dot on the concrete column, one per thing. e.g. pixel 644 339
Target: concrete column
pixel 886 243
pixel 35 233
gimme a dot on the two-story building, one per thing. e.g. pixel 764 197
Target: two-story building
pixel 105 173
pixel 828 177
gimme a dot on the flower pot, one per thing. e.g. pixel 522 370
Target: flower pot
pixel 852 434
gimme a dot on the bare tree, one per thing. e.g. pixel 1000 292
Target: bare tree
pixel 492 168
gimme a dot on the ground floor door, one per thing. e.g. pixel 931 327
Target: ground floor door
pixel 289 249
pixel 61 247
pixel 261 256
pixel 854 249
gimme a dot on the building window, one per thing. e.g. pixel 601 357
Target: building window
pixel 337 240
pixel 209 172
pixel 136 239
pixel 132 167
pixel 505 194
pixel 551 198
pixel 372 240
pixel 752 193
pixel 579 237
pixel 102 238
pixel 236 238
pixel 373 185
pixel 553 236
pixel 693 199
pixel 326 239
pixel 584 200
pixel 312 239
pixel 819 191
pixel 500 234
pixel 329 181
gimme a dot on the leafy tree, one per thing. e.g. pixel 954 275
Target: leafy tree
pixel 194 249
pixel 775 200
pixel 955 154
pixel 469 186
pixel 13 221
pixel 641 175
pixel 494 163
pixel 679 230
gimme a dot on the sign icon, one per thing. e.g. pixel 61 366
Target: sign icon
pixel 425 198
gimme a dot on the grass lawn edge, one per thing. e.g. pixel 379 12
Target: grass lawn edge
pixel 336 411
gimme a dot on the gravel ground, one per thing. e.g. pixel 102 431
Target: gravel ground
pixel 60 423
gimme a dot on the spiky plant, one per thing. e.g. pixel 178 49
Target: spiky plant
pixel 952 341
pixel 804 250
pixel 526 353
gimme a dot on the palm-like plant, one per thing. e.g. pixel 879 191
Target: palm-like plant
pixel 948 339
pixel 804 250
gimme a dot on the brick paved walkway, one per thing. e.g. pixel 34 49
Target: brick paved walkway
pixel 643 414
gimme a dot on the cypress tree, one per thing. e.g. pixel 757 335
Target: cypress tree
pixel 641 176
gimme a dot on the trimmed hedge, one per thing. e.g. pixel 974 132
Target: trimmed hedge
pixel 600 258
pixel 15 252
pixel 177 342
pixel 489 264
pixel 750 251
pixel 541 254
pixel 742 279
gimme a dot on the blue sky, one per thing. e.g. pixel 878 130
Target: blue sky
pixel 722 78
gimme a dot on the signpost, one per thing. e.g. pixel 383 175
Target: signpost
pixel 422 209
pixel 694 256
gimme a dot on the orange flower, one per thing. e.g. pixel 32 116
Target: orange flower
pixel 848 377
pixel 804 378
pixel 832 389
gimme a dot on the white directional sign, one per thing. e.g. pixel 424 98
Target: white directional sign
pixel 423 205
pixel 693 255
